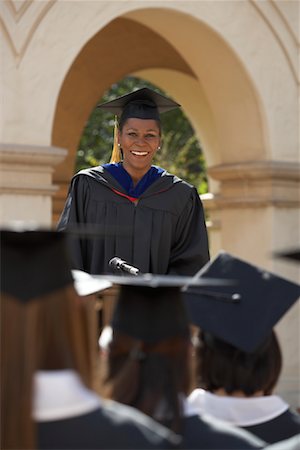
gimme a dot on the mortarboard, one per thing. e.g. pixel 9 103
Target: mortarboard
pixel 35 263
pixel 150 307
pixel 85 284
pixel 141 104
pixel 145 102
pixel 263 298
pixel 291 254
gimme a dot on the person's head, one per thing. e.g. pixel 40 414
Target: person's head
pixel 222 367
pixel 45 325
pixel 147 356
pixel 139 140
pixel 139 134
pixel 239 350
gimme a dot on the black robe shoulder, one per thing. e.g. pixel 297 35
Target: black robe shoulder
pixel 281 427
pixel 163 232
pixel 207 433
pixel 112 426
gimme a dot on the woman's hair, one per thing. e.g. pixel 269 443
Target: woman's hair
pixel 52 332
pixel 221 366
pixel 149 377
pixel 125 116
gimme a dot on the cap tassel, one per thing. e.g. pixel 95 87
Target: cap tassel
pixel 116 153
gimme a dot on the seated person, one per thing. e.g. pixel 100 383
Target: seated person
pixel 237 353
pixel 147 358
pixel 48 357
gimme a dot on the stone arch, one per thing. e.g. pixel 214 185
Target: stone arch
pixel 127 45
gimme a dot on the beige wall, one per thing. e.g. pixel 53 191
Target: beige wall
pixel 232 65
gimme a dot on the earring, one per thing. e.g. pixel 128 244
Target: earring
pixel 119 145
pixel 158 148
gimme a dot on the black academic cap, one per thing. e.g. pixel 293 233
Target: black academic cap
pixel 86 284
pixel 36 262
pixel 150 307
pixel 33 263
pixel 291 254
pixel 142 103
pixel 261 299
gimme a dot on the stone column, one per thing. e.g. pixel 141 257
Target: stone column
pixel 254 213
pixel 26 187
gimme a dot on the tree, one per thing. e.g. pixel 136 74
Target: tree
pixel 180 153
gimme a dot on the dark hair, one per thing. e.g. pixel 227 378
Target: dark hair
pixel 142 110
pixel 52 332
pixel 221 365
pixel 147 376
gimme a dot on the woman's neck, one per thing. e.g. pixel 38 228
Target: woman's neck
pixel 223 393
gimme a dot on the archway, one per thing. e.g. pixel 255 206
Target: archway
pixel 209 97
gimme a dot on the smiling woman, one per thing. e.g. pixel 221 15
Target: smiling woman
pixel 139 140
pixel 149 217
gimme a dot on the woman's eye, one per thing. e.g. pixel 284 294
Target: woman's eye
pixel 132 134
pixel 151 136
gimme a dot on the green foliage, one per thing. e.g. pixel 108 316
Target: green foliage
pixel 180 154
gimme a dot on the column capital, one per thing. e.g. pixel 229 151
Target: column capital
pixel 26 181
pixel 35 163
pixel 256 184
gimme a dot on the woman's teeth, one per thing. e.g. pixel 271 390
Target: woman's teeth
pixel 140 153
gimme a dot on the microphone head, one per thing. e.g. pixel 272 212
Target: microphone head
pixel 115 262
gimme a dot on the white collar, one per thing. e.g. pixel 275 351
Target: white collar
pixel 61 394
pixel 236 410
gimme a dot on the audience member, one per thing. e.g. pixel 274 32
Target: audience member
pixel 148 362
pixel 48 356
pixel 238 354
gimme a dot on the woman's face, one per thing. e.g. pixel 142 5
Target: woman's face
pixel 139 141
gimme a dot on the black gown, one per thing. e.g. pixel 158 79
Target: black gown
pixel 163 232
pixel 268 417
pixel 279 428
pixel 68 415
pixel 113 426
pixel 203 432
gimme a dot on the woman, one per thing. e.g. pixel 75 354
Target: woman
pixel 238 387
pixel 238 355
pixel 149 217
pixel 48 357
pixel 147 361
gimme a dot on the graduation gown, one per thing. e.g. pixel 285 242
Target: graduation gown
pixel 70 416
pixel 268 417
pixel 201 431
pixel 162 232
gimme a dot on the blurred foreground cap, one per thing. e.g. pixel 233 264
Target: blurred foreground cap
pixel 85 284
pixel 142 104
pixel 150 307
pixel 261 299
pixel 36 261
pixel 33 263
pixel 291 254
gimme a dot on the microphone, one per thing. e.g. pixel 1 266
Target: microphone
pixel 118 264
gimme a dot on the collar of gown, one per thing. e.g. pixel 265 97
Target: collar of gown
pixel 236 410
pixel 61 394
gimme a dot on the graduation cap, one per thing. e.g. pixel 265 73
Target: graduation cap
pixel 85 284
pixel 141 104
pixel 150 307
pixel 292 254
pixel 37 262
pixel 263 298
